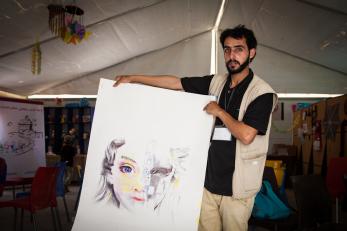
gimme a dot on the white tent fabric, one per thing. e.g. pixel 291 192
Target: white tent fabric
pixel 179 59
pixel 302 43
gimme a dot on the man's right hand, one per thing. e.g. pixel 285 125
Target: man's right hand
pixel 122 79
pixel 163 81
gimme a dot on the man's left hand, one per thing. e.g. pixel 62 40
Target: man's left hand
pixel 213 108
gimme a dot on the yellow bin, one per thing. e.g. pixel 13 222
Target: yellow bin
pixel 278 169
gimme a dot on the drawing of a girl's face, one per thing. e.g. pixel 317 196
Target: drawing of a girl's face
pixel 141 181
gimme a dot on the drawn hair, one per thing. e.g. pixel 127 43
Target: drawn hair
pixel 106 191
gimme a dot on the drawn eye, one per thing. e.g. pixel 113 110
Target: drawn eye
pixel 126 169
pixel 161 171
pixel 154 171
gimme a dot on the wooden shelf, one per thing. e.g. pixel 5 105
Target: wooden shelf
pixel 73 118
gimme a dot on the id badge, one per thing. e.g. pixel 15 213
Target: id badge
pixel 221 133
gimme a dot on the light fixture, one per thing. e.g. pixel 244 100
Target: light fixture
pixel 280 95
pixel 62 96
pixel 305 95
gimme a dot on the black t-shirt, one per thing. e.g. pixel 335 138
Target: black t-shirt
pixel 221 155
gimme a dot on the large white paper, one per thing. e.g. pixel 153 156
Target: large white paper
pixel 146 160
pixel 22 142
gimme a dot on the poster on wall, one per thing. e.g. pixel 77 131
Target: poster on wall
pixel 22 142
pixel 146 160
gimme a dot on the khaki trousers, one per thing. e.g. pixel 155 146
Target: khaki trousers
pixel 224 213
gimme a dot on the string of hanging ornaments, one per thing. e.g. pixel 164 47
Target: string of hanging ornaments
pixel 67 23
pixel 36 58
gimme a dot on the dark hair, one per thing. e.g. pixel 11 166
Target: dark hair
pixel 240 32
pixel 106 191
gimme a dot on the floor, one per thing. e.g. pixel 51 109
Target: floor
pixel 44 218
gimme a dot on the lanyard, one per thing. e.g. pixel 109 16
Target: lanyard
pixel 226 105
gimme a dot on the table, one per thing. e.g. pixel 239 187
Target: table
pixel 16 181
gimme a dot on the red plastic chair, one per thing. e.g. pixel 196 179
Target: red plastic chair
pixel 42 191
pixel 60 191
pixel 335 180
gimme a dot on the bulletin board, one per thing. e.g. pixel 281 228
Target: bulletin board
pixel 22 142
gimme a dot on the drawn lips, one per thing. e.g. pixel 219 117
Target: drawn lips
pixel 138 199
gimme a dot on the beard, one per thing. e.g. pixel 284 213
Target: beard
pixel 240 68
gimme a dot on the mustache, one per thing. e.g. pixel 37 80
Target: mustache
pixel 232 61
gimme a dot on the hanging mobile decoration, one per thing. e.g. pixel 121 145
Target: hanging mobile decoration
pixel 36 58
pixel 56 19
pixel 67 23
pixel 75 31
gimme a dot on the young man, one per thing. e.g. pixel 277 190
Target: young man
pixel 239 145
pixel 68 152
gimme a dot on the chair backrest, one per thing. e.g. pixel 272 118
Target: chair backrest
pixel 336 170
pixel 60 179
pixel 312 200
pixel 43 187
pixel 3 173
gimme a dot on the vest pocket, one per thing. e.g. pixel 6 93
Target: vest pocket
pixel 256 149
pixel 253 172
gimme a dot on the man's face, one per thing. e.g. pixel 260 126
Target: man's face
pixel 236 54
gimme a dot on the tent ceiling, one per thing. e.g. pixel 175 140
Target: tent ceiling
pixel 302 44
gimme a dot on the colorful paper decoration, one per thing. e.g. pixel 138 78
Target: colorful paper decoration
pixel 67 23
pixel 84 102
pixel 75 31
pixel 58 101
pixel 36 59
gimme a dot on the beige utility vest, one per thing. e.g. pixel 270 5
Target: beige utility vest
pixel 249 159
